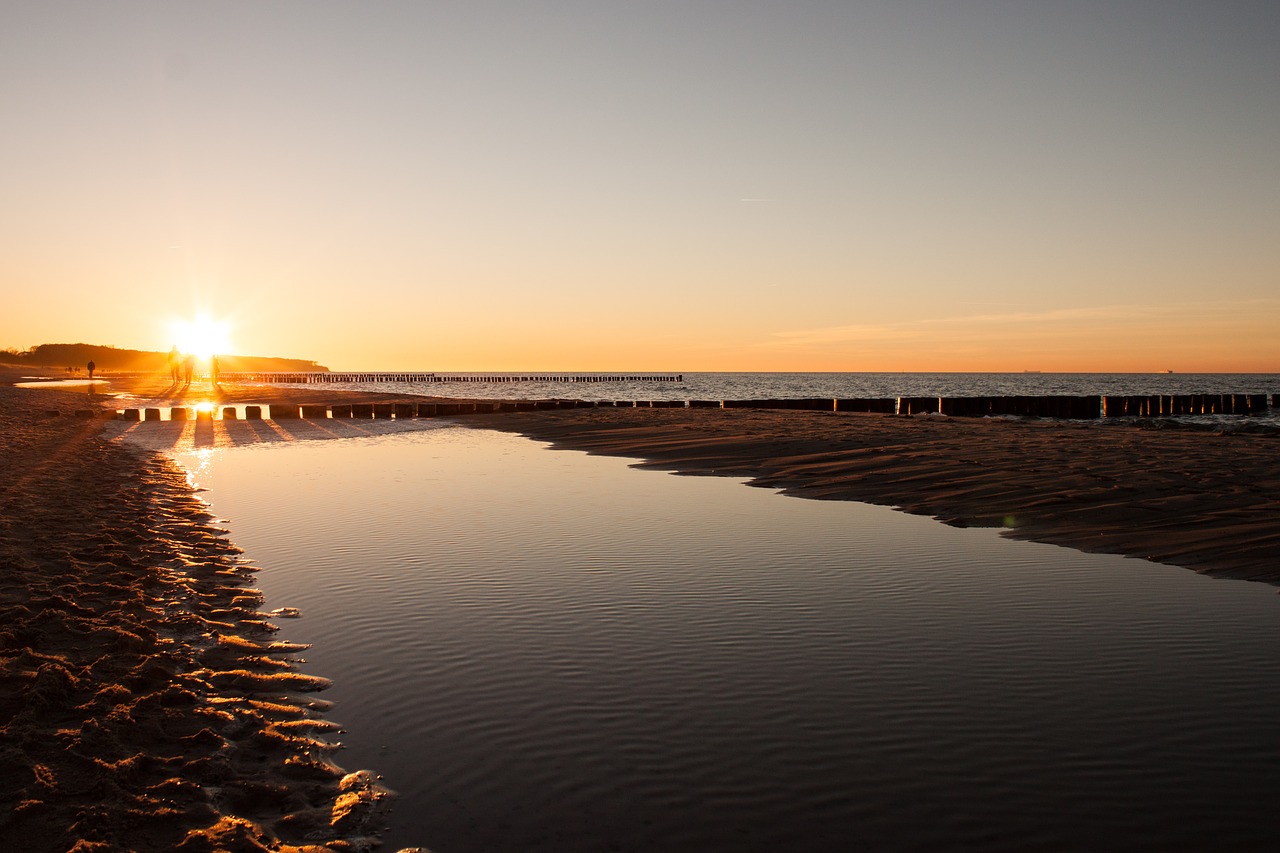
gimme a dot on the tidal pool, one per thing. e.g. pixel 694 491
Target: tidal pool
pixel 547 651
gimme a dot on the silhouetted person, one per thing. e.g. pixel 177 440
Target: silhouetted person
pixel 189 366
pixel 91 367
pixel 174 364
pixel 213 371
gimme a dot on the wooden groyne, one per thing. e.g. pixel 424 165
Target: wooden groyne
pixel 1188 404
pixel 425 378
pixel 1058 407
pixel 1070 407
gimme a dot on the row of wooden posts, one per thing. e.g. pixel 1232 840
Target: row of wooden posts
pixel 295 411
pixel 1068 407
pixel 1085 407
pixel 359 378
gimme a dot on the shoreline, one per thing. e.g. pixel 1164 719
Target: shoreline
pixel 1194 497
pixel 1199 500
pixel 148 704
pixel 147 699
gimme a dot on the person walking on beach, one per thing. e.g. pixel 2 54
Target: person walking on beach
pixel 91 367
pixel 213 371
pixel 189 367
pixel 174 360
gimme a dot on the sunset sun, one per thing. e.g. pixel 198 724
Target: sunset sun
pixel 202 336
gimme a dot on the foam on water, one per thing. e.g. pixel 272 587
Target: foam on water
pixel 549 651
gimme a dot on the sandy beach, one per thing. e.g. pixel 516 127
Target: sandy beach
pixel 1202 500
pixel 150 705
pixel 147 702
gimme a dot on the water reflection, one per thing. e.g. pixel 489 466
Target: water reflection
pixel 62 383
pixel 548 651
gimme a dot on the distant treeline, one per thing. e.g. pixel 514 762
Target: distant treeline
pixel 139 361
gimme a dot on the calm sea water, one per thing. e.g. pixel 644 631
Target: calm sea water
pixel 732 386
pixel 546 651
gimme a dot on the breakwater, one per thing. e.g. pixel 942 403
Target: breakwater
pixel 1051 406
pixel 364 378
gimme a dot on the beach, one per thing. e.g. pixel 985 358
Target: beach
pixel 1201 500
pixel 150 703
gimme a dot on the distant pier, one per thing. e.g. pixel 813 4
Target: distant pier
pixel 326 377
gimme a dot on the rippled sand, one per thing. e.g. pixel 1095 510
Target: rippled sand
pixel 145 699
pixel 146 702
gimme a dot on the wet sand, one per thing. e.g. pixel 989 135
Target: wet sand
pixel 139 391
pixel 148 705
pixel 147 701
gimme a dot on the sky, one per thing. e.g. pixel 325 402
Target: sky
pixel 680 186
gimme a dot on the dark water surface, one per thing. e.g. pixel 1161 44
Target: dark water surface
pixel 545 651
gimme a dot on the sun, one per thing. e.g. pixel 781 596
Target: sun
pixel 201 337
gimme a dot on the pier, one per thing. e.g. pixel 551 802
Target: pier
pixel 357 378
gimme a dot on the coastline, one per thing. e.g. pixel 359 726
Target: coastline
pixel 1197 498
pixel 1200 500
pixel 147 704
pixel 146 699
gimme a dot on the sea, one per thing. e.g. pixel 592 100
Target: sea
pixel 647 386
pixel 748 386
pixel 542 650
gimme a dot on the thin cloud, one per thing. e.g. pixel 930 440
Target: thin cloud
pixel 975 324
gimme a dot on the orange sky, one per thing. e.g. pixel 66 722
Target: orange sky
pixel 669 186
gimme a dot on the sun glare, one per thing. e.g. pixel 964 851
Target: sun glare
pixel 201 337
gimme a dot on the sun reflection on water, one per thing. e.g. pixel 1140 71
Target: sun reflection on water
pixel 198 463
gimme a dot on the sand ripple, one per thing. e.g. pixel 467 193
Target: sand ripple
pixel 145 701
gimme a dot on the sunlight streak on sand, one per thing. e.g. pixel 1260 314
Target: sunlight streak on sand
pixel 185 436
